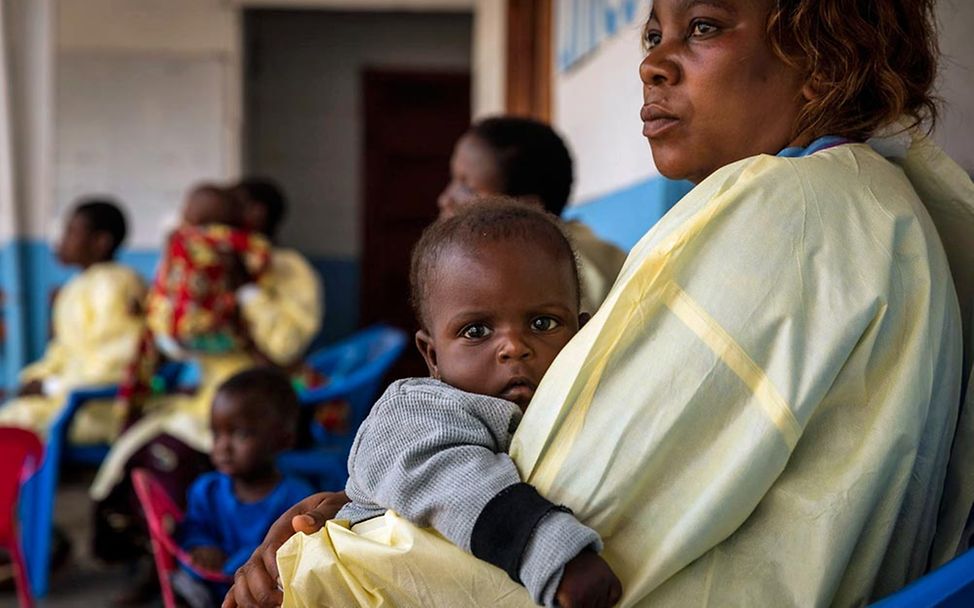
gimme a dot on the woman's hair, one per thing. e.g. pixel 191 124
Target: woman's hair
pixel 269 194
pixel 531 159
pixel 491 219
pixel 869 62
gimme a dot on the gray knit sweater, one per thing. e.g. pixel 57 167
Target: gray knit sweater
pixel 437 456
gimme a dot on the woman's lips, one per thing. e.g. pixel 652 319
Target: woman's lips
pixel 656 120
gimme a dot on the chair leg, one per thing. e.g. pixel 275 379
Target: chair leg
pixel 24 596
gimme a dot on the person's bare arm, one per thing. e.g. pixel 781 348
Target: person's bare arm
pixel 255 583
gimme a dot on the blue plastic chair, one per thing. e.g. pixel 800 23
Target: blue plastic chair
pixel 37 506
pixel 355 368
pixel 950 586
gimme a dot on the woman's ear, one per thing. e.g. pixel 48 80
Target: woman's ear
pixel 583 318
pixel 424 342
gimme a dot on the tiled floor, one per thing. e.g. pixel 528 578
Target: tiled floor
pixel 82 582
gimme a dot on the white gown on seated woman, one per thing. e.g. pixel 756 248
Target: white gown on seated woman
pixel 760 413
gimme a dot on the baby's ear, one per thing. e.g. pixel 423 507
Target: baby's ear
pixel 583 318
pixel 424 342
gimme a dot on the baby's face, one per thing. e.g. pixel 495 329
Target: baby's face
pixel 208 207
pixel 497 317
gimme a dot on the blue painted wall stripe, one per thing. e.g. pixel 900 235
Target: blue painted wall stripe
pixel 29 274
pixel 625 215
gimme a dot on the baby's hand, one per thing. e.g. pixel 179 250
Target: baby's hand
pixel 588 582
pixel 208 558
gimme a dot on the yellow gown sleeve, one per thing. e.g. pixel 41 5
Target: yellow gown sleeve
pixel 50 364
pixel 98 327
pixel 285 312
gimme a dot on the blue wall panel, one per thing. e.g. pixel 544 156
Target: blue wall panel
pixel 624 216
pixel 30 274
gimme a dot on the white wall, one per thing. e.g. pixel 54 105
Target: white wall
pixel 30 24
pixel 305 125
pixel 8 209
pixel 956 129
pixel 136 66
pixel 194 26
pixel 489 70
pixel 596 107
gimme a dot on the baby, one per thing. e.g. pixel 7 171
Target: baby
pixel 192 307
pixel 496 292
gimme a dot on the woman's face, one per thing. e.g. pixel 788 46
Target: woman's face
pixel 713 91
pixel 473 173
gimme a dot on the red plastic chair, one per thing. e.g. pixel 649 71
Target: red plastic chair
pixel 163 515
pixel 20 457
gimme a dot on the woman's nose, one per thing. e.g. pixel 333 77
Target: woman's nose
pixel 659 67
pixel 446 201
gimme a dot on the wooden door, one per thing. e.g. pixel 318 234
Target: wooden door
pixel 529 58
pixel 412 120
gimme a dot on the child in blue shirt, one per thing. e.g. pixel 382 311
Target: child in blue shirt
pixel 253 418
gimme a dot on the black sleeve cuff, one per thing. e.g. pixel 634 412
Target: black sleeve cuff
pixel 504 527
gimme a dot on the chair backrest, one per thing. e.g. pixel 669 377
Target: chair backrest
pixel 355 368
pixel 21 452
pixel 951 585
pixel 20 456
pixel 163 515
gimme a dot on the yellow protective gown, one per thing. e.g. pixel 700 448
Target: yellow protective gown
pixel 599 263
pixel 759 414
pixel 284 312
pixel 95 334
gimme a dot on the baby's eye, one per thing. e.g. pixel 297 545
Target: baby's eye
pixel 475 331
pixel 702 28
pixel 544 323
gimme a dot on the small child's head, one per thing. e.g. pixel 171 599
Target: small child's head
pixel 253 418
pixel 210 204
pixel 495 288
pixel 518 157
pixel 93 233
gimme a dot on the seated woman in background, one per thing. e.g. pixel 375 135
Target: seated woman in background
pixel 526 159
pixel 766 410
pixel 283 312
pixel 96 328
pixel 192 307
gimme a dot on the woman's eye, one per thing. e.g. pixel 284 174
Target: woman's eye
pixel 702 28
pixel 544 324
pixel 475 332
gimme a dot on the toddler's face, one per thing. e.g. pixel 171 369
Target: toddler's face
pixel 497 317
pixel 244 444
